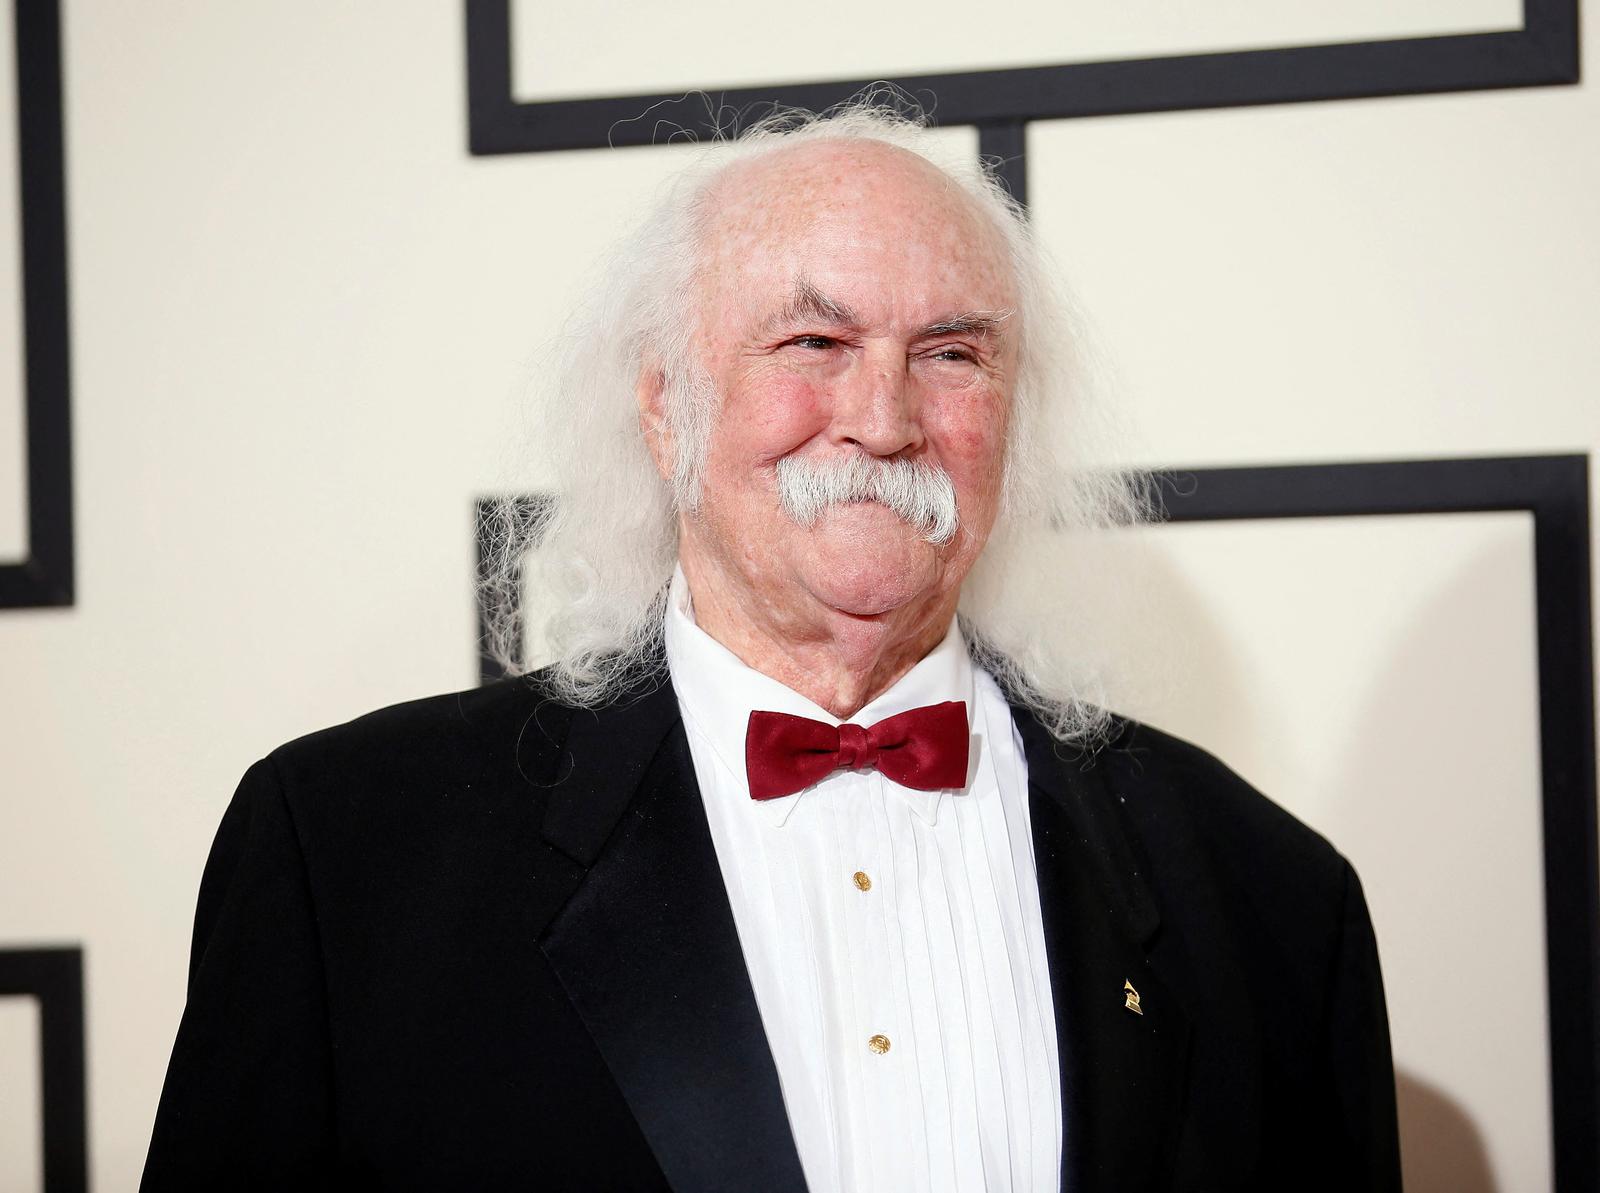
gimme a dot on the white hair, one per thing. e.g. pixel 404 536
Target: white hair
pixel 597 560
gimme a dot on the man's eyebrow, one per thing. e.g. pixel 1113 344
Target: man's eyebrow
pixel 807 302
pixel 973 323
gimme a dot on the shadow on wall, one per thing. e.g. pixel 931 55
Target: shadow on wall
pixel 1454 1159
pixel 1461 828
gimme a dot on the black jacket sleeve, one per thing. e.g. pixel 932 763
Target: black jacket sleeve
pixel 1358 1042
pixel 248 1100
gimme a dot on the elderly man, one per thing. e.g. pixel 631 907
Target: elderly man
pixel 782 875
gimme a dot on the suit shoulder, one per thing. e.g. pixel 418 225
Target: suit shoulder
pixel 503 728
pixel 1180 794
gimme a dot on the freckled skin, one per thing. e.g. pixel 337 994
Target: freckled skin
pixel 840 610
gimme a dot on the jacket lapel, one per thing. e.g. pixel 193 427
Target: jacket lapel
pixel 1123 1072
pixel 647 950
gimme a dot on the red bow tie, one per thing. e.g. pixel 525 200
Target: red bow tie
pixel 925 748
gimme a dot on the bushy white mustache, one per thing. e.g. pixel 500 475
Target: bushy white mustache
pixel 919 492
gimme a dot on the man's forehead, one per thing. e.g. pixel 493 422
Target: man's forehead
pixel 863 189
pixel 810 173
pixel 877 231
pixel 893 288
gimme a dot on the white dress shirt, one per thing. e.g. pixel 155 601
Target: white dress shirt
pixel 893 936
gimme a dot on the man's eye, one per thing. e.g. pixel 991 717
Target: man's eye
pixel 952 354
pixel 813 342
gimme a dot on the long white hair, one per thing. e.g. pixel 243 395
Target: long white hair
pixel 597 559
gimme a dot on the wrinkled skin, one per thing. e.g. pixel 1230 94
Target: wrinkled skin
pixel 852 299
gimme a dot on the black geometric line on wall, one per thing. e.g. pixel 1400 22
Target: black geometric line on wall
pixel 528 513
pixel 1004 144
pixel 54 976
pixel 1555 491
pixel 45 575
pixel 1544 51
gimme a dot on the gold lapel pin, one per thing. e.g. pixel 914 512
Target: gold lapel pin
pixel 1130 998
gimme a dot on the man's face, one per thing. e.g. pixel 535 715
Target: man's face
pixel 856 304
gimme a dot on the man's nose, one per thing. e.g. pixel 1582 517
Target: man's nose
pixel 876 408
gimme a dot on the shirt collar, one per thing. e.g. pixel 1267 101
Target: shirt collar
pixel 717 691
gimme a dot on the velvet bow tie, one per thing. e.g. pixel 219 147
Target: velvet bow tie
pixel 925 748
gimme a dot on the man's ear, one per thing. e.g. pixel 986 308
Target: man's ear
pixel 653 423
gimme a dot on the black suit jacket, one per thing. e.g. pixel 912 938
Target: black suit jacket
pixel 482 942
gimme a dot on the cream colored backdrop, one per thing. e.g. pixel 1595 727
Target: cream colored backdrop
pixel 302 316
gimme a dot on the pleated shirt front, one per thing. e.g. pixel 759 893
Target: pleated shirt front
pixel 893 936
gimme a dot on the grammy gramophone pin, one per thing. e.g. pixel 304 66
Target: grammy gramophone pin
pixel 1130 998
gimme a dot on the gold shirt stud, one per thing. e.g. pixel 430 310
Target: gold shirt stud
pixel 878 1044
pixel 863 883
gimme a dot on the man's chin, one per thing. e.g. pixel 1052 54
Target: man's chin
pixel 867 587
